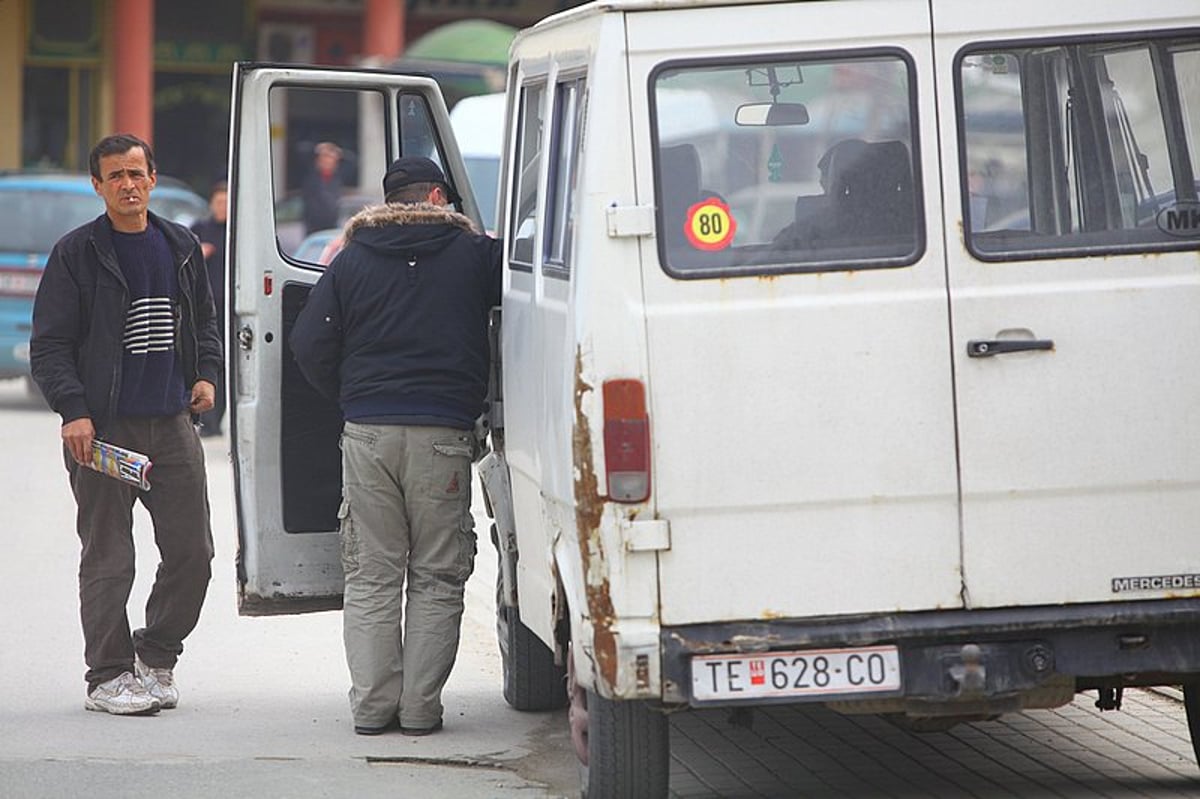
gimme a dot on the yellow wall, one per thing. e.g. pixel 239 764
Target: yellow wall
pixel 12 58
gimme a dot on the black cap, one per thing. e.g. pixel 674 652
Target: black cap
pixel 415 169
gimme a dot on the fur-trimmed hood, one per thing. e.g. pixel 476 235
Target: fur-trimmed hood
pixel 405 230
pixel 389 214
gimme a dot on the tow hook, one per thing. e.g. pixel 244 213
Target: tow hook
pixel 1110 698
pixel 969 675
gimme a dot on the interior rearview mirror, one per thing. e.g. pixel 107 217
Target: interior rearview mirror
pixel 771 114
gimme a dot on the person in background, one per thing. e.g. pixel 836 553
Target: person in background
pixel 125 349
pixel 211 232
pixel 395 331
pixel 322 189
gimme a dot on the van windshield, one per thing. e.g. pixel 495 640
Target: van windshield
pixel 786 165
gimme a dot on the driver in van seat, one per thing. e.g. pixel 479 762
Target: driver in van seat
pixel 395 331
pixel 868 192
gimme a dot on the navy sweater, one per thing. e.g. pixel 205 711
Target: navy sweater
pixel 152 381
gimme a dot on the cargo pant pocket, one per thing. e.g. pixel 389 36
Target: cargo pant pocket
pixel 466 547
pixel 450 470
pixel 348 537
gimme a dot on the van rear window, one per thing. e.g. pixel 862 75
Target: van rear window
pixel 1080 147
pixel 786 165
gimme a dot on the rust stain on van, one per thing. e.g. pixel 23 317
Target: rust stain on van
pixel 589 508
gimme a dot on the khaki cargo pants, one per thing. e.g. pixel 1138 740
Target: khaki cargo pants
pixel 406 528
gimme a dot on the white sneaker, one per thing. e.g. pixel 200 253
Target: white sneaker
pixel 159 683
pixel 122 696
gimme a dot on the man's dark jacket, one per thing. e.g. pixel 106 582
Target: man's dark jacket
pixel 396 328
pixel 79 319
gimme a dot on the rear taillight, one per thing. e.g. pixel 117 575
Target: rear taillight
pixel 626 441
pixel 19 282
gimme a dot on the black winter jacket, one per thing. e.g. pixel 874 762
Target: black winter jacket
pixel 79 318
pixel 396 328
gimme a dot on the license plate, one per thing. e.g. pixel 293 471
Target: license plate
pixel 812 672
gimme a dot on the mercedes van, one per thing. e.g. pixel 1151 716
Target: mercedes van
pixel 843 358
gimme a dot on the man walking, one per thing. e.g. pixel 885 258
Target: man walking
pixel 396 331
pixel 125 349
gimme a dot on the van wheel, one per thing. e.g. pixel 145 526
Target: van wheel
pixel 532 680
pixel 1191 704
pixel 624 747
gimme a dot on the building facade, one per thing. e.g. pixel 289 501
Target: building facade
pixel 72 71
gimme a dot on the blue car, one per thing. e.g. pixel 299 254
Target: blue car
pixel 36 209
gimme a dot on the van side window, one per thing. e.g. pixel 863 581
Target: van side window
pixel 325 167
pixel 565 144
pixel 1080 147
pixel 530 130
pixel 786 165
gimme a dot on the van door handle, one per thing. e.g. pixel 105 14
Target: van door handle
pixel 986 349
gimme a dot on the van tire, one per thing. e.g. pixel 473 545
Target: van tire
pixel 1191 704
pixel 629 750
pixel 532 680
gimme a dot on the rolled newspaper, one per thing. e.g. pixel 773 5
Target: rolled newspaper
pixel 123 464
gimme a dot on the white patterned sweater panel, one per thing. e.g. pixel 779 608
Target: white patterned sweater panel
pixel 150 326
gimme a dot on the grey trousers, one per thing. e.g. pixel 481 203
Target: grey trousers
pixel 406 531
pixel 178 506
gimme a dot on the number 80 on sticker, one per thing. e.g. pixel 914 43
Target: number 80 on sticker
pixel 709 225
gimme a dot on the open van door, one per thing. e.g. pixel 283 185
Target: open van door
pixel 285 436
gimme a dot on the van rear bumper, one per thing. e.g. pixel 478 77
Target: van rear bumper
pixel 1021 650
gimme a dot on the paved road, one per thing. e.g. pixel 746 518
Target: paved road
pixel 264 711
pixel 1074 751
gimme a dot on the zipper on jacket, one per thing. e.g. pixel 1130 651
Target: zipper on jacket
pixel 114 385
pixel 187 302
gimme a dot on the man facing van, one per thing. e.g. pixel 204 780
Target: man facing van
pixel 396 332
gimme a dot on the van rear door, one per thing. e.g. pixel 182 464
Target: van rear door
pixel 1075 292
pixel 284 435
pixel 799 345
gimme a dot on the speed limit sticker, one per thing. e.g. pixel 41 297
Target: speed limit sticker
pixel 709 225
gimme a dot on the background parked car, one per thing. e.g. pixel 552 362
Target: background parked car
pixel 37 208
pixel 320 247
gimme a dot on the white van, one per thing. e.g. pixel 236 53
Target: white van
pixel 845 358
